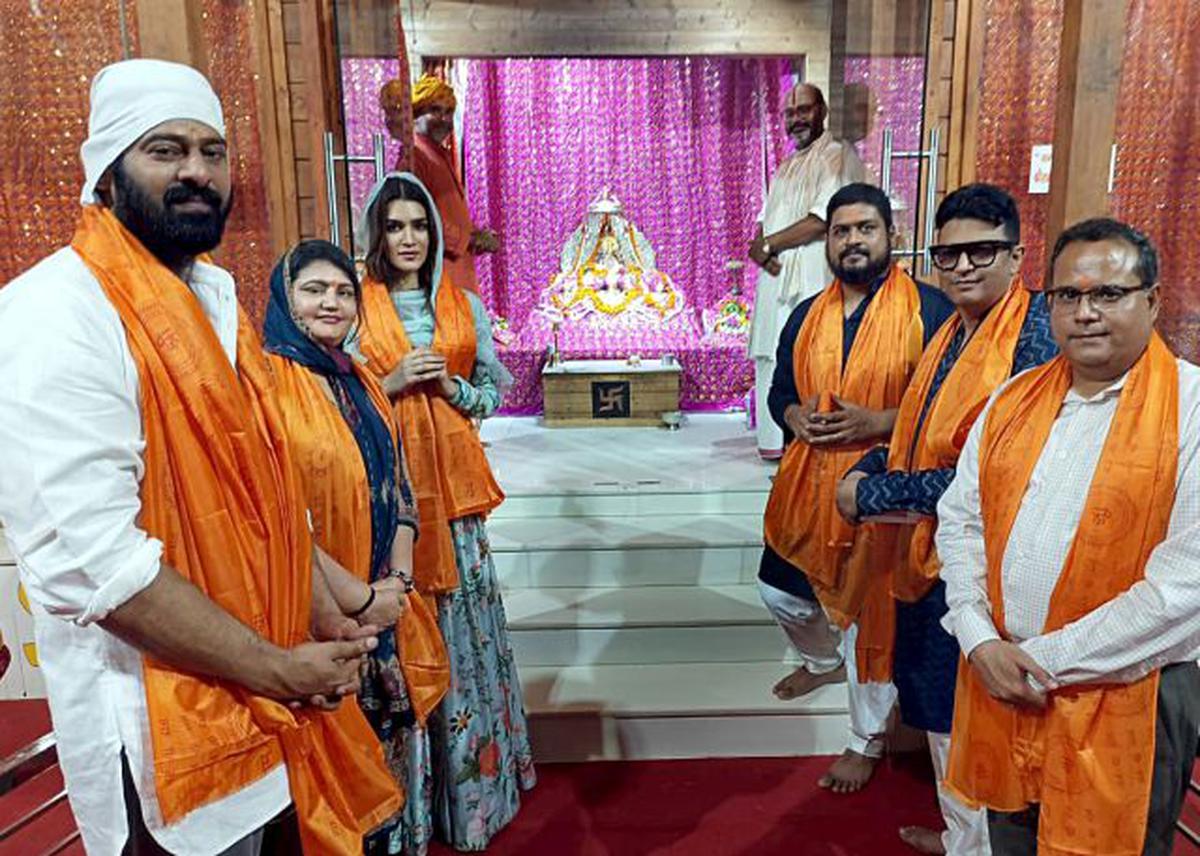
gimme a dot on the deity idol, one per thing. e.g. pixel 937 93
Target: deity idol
pixel 607 275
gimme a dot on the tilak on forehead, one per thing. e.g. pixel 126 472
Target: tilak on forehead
pixel 131 97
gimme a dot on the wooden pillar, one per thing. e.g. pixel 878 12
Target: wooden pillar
pixel 172 30
pixel 1089 79
pixel 275 125
pixel 970 24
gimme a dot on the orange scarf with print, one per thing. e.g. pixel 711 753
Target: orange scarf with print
pixel 1088 758
pixel 221 494
pixel 985 363
pixel 449 472
pixel 802 523
pixel 335 486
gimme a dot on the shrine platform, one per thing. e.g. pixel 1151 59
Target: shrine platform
pixel 629 559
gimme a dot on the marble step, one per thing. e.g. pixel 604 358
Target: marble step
pixel 644 498
pixel 641 625
pixel 627 551
pixel 676 710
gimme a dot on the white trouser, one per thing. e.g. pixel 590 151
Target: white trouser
pixel 966 829
pixel 768 434
pixel 822 648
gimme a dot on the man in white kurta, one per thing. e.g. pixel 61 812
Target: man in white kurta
pixel 1103 299
pixel 71 466
pixel 789 242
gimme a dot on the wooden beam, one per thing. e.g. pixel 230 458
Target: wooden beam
pixel 172 30
pixel 275 125
pixel 970 30
pixel 1089 79
pixel 320 94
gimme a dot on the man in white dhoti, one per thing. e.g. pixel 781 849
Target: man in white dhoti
pixel 789 239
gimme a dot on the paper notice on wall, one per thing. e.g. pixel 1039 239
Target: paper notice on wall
pixel 1041 158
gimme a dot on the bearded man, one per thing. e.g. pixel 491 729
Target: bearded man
pixel 157 522
pixel 433 106
pixel 844 360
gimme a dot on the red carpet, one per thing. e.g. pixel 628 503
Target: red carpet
pixel 722 807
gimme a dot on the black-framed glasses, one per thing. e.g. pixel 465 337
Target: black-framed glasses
pixel 1100 297
pixel 979 253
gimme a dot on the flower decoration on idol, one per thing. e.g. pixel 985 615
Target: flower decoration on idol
pixel 730 317
pixel 607 274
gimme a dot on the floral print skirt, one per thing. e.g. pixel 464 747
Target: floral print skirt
pixel 478 736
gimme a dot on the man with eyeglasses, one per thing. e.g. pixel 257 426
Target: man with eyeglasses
pixel 1070 538
pixel 844 360
pixel 999 329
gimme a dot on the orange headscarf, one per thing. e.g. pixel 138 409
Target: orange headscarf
pixel 450 474
pixel 1088 758
pixel 985 362
pixel 221 494
pixel 802 523
pixel 338 494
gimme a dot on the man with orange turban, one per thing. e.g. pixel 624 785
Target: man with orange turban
pixel 433 106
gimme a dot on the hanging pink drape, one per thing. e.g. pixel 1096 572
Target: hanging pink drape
pixel 679 141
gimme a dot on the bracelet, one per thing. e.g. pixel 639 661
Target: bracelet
pixel 365 606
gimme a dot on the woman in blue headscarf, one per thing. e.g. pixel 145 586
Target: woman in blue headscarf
pixel 351 466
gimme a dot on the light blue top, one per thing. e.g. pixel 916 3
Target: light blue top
pixel 481 394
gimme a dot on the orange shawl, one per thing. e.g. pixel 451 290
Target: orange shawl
pixel 985 363
pixel 335 486
pixel 222 496
pixel 1089 756
pixel 802 523
pixel 448 470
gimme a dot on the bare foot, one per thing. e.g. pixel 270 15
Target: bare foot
pixel 849 773
pixel 922 839
pixel 802 682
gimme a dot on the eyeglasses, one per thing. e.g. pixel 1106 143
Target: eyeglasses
pixel 979 253
pixel 1101 297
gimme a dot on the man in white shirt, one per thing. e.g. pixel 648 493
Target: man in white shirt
pixel 789 239
pixel 1070 538
pixel 72 442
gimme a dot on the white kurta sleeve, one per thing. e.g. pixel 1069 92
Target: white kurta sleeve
pixel 70 449
pixel 1156 621
pixel 960 547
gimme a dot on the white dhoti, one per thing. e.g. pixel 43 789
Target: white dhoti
pixel 966 829
pixel 802 185
pixel 822 648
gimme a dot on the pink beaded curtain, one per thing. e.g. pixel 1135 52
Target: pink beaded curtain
pixel 1157 181
pixel 1157 186
pixel 680 141
pixel 1020 79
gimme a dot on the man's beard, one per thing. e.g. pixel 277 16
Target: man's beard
pixel 170 235
pixel 860 275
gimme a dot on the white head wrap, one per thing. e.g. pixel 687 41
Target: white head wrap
pixel 131 97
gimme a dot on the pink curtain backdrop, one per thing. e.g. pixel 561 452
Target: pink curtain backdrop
pixel 687 145
pixel 679 141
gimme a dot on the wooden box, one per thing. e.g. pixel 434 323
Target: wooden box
pixel 600 393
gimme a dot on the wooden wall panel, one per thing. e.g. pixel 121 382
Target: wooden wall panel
pixel 472 28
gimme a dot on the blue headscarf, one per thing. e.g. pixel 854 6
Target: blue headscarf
pixel 284 337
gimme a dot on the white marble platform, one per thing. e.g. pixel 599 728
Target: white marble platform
pixel 712 454
pixel 629 558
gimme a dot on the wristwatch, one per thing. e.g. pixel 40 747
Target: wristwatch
pixel 767 251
